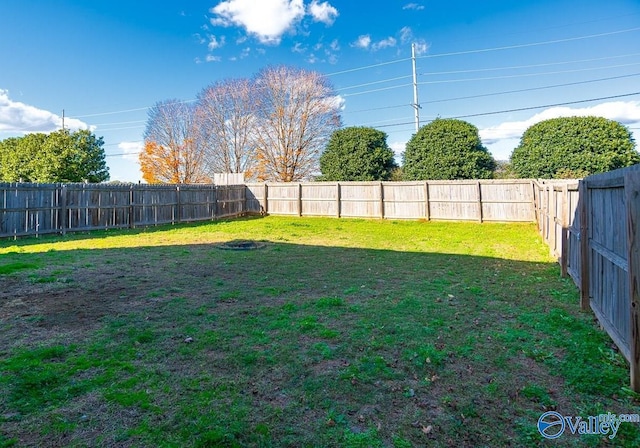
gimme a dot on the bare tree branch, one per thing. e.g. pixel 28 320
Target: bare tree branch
pixel 297 113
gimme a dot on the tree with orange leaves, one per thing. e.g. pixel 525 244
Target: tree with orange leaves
pixel 173 150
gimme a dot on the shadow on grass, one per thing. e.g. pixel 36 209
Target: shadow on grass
pixel 296 345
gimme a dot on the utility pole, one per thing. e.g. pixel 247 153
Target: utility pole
pixel 63 119
pixel 416 105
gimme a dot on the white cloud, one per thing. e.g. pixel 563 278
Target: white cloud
pixel 131 150
pixel 338 101
pixel 20 118
pixel 299 48
pixel 362 42
pixel 212 58
pixel 268 20
pixel 398 149
pixel 625 112
pixel 407 36
pixel 414 6
pixel 215 42
pixel 323 12
pixel 319 52
pixel 421 46
pixel 384 43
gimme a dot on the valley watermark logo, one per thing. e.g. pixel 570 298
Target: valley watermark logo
pixel 552 424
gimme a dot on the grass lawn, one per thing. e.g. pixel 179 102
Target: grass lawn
pixel 345 333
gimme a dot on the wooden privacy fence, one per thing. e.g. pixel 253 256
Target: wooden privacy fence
pixel 37 209
pixel 594 230
pixel 476 200
pixel 556 203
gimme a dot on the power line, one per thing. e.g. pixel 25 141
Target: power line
pixel 395 62
pixel 531 89
pixel 532 44
pixel 397 124
pixel 451 72
pixel 376 90
pixel 548 105
pixel 371 123
pixel 368 66
pixel 376 108
pixel 399 61
pixel 525 75
pixel 121 122
pixel 486 78
pixel 120 129
pixel 137 109
pixel 373 82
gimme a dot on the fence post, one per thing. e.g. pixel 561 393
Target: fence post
pixel 214 201
pixel 544 206
pixel 480 218
pixel 132 224
pixel 552 220
pixel 243 204
pixel 338 199
pixel 63 209
pixel 266 198
pixel 178 215
pixel 564 242
pixel 535 187
pixel 427 213
pixel 632 196
pixel 381 200
pixel 584 246
pixel 299 198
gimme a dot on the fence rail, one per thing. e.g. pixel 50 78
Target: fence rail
pixel 38 209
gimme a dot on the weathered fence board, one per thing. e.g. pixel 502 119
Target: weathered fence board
pixel 406 200
pixel 594 232
pixel 606 245
pixel 484 200
pixel 36 209
pixel 28 209
pixel 632 199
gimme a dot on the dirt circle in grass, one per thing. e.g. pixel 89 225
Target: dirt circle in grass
pixel 241 245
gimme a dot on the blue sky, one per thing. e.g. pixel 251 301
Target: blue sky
pixel 501 65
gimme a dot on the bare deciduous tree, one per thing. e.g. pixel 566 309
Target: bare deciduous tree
pixel 273 128
pixel 173 151
pixel 297 112
pixel 226 117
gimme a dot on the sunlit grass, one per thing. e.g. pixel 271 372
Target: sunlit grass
pixel 488 239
